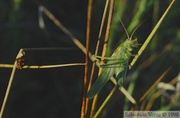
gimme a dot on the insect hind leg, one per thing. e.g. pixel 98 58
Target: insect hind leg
pixel 116 64
pixel 100 57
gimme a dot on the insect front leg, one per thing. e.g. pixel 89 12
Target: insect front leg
pixel 96 58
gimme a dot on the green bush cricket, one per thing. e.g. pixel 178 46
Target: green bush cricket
pixel 116 65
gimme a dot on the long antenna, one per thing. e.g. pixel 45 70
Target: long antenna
pixel 137 28
pixel 124 28
pixel 130 37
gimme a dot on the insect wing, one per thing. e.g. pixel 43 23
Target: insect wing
pixel 100 82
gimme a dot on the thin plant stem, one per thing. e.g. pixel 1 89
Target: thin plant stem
pixel 66 31
pixel 85 100
pixel 96 51
pixel 63 28
pixel 105 102
pixel 98 42
pixel 157 94
pixel 149 38
pixel 43 66
pixel 111 6
pixel 157 81
pixel 10 83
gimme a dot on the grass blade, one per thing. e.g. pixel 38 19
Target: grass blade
pixel 149 38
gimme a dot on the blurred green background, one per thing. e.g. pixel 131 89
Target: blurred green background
pixel 54 93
